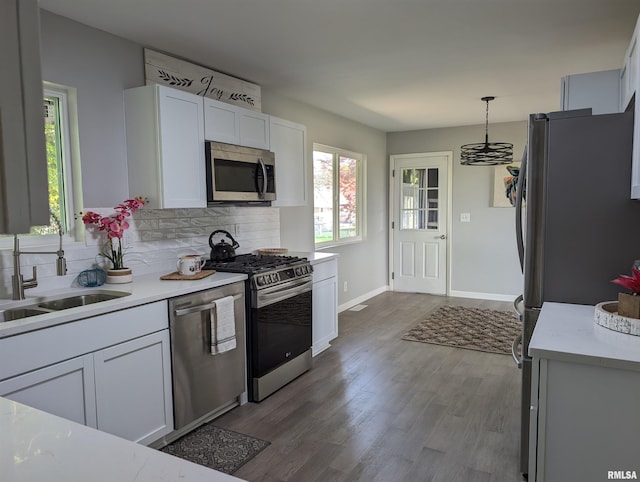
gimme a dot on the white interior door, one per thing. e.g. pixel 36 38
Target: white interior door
pixel 420 221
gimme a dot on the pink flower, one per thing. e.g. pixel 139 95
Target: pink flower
pixel 115 226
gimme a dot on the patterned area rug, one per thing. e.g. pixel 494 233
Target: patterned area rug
pixel 471 328
pixel 217 448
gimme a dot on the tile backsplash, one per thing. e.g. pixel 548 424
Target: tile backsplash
pixel 154 241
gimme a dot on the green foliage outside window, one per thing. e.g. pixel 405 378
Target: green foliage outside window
pixel 53 139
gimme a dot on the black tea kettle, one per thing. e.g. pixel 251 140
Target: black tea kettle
pixel 223 251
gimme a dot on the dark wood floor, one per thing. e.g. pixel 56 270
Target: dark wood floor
pixel 375 407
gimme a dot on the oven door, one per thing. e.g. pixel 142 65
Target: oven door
pixel 280 325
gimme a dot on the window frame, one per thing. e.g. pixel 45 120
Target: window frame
pixel 71 172
pixel 361 163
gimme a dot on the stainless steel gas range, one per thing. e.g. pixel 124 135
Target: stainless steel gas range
pixel 278 307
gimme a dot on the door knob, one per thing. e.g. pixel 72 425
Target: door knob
pixel 444 236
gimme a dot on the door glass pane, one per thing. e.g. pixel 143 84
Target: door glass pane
pixel 322 196
pixel 433 177
pixel 413 207
pixel 419 202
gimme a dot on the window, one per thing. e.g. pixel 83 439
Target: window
pixel 61 169
pixel 338 195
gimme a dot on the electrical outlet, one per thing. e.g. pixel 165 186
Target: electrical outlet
pixel 236 230
pixel 345 287
pixel 465 217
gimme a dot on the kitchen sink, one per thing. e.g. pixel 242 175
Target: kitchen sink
pixel 80 300
pixel 53 304
pixel 24 312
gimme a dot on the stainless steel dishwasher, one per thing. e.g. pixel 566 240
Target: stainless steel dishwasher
pixel 204 385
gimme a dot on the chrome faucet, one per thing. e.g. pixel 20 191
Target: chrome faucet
pixel 18 283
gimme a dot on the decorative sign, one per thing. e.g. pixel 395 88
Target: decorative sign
pixel 163 69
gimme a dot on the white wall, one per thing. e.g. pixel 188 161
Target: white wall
pixel 100 66
pixel 483 252
pixel 362 265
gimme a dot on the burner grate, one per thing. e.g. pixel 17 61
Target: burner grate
pixel 252 263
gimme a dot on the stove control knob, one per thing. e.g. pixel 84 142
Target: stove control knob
pixel 260 280
pixel 275 277
pixel 298 271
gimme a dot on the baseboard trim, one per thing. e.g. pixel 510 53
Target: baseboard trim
pixel 360 299
pixel 482 296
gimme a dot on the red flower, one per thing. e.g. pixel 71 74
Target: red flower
pixel 630 282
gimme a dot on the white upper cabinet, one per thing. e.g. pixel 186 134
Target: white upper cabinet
pixel 289 144
pixel 254 129
pixel 235 125
pixel 165 146
pixel 599 91
pixel 23 162
pixel 221 122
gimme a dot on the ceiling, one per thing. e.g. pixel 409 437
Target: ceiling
pixel 394 65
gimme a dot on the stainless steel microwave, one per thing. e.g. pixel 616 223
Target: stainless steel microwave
pixel 237 173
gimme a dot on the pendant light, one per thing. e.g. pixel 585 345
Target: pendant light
pixel 486 153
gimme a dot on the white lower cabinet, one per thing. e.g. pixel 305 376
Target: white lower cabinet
pixel 133 388
pixel 325 305
pixel 584 421
pixel 65 389
pixel 111 372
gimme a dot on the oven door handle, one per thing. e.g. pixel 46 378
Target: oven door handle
pixel 199 308
pixel 270 296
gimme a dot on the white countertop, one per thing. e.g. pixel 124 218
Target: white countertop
pixel 35 446
pixel 567 332
pixel 144 289
pixel 314 257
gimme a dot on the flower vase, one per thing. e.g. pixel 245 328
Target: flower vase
pixel 629 305
pixel 117 276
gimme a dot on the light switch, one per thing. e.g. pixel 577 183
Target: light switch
pixel 465 217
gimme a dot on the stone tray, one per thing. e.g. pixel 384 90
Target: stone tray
pixel 606 314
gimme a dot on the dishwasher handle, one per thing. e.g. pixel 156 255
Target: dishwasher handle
pixel 199 308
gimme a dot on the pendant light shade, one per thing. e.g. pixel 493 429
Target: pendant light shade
pixel 486 153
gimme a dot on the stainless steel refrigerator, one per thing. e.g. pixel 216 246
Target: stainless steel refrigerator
pixel 580 229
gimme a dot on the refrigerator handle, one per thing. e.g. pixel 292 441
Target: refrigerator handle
pixel 516 307
pixel 514 351
pixel 521 186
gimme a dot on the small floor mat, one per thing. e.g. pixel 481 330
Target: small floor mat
pixel 217 448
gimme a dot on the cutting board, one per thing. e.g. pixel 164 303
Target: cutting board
pixel 177 276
